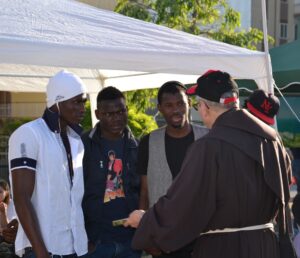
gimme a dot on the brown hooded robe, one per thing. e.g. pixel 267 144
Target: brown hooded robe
pixel 235 176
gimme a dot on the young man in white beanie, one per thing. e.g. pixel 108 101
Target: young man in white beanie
pixel 45 159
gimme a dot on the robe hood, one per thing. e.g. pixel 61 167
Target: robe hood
pixel 251 135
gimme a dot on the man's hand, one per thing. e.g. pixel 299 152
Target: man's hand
pixel 9 233
pixel 134 218
pixel 153 251
pixel 91 247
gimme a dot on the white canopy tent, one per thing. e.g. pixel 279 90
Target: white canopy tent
pixel 37 38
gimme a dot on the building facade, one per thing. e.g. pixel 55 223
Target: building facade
pixel 280 18
pixel 297 19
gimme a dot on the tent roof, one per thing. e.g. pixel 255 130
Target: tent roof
pixel 65 33
pixel 286 57
pixel 285 63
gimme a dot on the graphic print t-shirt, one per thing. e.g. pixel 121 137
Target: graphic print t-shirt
pixel 114 185
pixel 114 203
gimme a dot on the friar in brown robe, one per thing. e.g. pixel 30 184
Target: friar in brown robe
pixel 232 184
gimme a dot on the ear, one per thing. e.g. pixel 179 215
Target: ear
pixel 206 111
pixel 54 108
pixel 159 107
pixel 203 112
pixel 97 114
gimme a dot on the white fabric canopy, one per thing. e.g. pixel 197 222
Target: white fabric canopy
pixel 64 33
pixel 38 38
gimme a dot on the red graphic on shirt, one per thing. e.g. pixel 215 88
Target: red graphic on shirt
pixel 114 183
pixel 266 105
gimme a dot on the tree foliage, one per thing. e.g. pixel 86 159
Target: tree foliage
pixel 134 9
pixel 86 123
pixel 141 100
pixel 140 123
pixel 211 18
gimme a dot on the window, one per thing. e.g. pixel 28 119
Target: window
pixel 296 31
pixel 283 30
pixel 284 12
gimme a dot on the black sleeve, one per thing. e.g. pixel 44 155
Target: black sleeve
pixel 143 155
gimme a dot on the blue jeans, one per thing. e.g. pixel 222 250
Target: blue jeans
pixel 114 250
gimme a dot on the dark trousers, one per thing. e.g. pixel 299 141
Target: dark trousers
pixel 30 254
pixel 114 250
pixel 185 252
pixel 178 254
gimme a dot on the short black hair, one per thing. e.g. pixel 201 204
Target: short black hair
pixel 111 152
pixel 109 93
pixel 171 87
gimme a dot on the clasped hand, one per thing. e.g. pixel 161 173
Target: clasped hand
pixel 134 218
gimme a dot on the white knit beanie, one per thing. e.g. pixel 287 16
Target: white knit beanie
pixel 63 86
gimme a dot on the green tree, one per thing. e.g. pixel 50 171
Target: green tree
pixel 211 18
pixel 86 123
pixel 135 9
pixel 140 123
pixel 139 101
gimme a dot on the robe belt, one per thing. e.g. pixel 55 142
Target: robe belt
pixel 231 230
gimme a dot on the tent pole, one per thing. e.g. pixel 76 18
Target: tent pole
pixel 266 47
pixel 268 59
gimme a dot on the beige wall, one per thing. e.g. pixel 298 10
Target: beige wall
pixel 22 97
pixel 291 30
pixel 275 15
pixel 103 4
pixel 27 104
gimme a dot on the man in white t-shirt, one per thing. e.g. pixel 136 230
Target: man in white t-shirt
pixel 45 159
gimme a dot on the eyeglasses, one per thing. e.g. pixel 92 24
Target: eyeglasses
pixel 114 113
pixel 198 104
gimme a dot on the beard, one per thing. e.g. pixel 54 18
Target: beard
pixel 178 126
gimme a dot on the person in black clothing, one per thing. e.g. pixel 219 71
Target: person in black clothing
pixel 161 152
pixel 296 166
pixel 110 179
